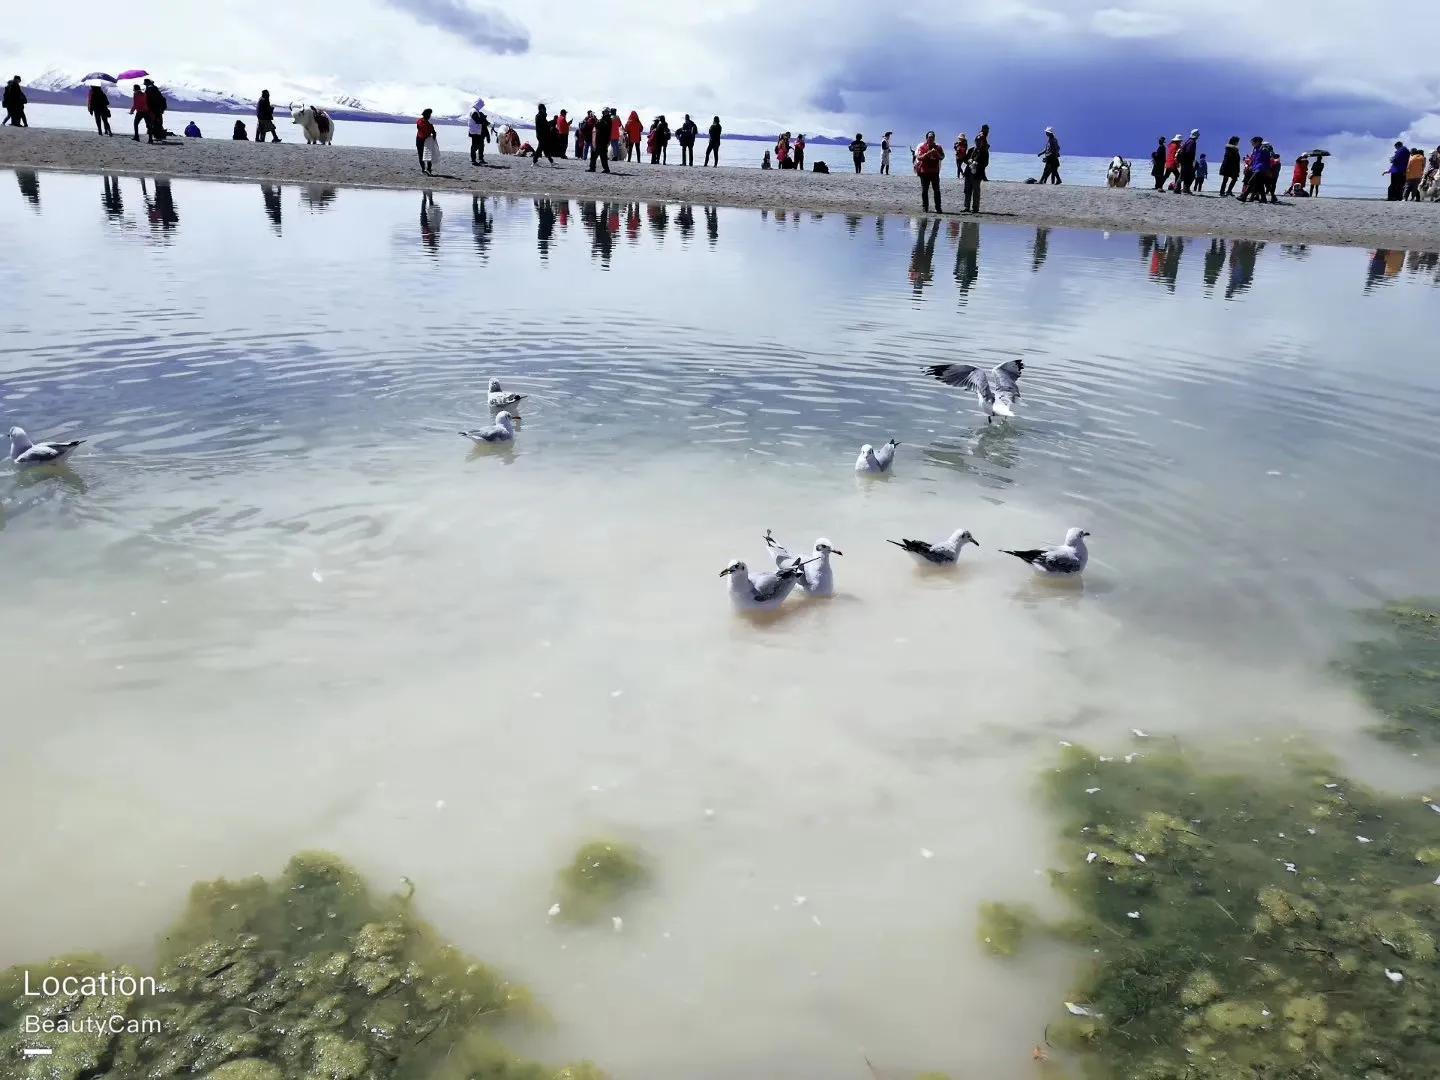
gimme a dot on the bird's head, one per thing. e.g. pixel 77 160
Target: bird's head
pixel 1074 536
pixel 16 433
pixel 505 420
pixel 494 385
pixel 735 567
pixel 866 450
pixel 965 538
pixel 824 547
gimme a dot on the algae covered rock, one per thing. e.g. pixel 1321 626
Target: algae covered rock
pixel 602 873
pixel 308 976
pixel 1398 671
pixel 1256 938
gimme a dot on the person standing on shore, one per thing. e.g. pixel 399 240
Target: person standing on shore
pixel 1186 158
pixel 544 138
pixel 155 111
pixel 634 133
pixel 1051 154
pixel 479 131
pixel 427 143
pixel 713 146
pixel 885 153
pixel 1230 166
pixel 982 145
pixel 616 132
pixel 1172 164
pixel 99 107
pixel 962 151
pixel 1157 163
pixel 973 175
pixel 560 134
pixel 857 151
pixel 584 136
pixel 689 131
pixel 1257 165
pixel 1315 170
pixel 800 151
pixel 662 136
pixel 1399 162
pixel 139 107
pixel 927 167
pixel 1202 170
pixel 1273 180
pixel 265 119
pixel 1414 173
pixel 15 102
pixel 599 147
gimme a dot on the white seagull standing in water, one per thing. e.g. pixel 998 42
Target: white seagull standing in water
pixel 819 578
pixel 503 431
pixel 876 461
pixel 764 592
pixel 499 399
pixel 1067 559
pixel 997 389
pixel 945 553
pixel 28 455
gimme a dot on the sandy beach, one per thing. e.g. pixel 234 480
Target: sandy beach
pixel 1359 222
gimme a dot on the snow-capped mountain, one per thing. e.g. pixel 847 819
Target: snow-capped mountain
pixel 198 92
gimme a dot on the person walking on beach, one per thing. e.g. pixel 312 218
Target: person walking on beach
pixel 1186 158
pixel 634 133
pixel 687 133
pixel 1414 173
pixel 1399 162
pixel 927 167
pixel 982 146
pixel 1257 165
pixel 1172 164
pixel 800 151
pixel 479 131
pixel 98 105
pixel 155 105
pixel 15 102
pixel 544 138
pixel 1051 154
pixel 427 143
pixel 885 153
pixel 713 146
pixel 599 148
pixel 1202 170
pixel 962 151
pixel 1315 170
pixel 857 151
pixel 1157 163
pixel 973 175
pixel 139 108
pixel 265 119
pixel 1230 167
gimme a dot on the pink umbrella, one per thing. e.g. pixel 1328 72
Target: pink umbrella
pixel 132 73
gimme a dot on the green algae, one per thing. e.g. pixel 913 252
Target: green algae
pixel 1398 671
pixel 1001 927
pixel 600 876
pixel 1245 927
pixel 308 976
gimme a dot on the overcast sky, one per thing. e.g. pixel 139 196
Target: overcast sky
pixel 1111 75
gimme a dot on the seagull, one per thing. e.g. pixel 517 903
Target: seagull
pixel 945 553
pixel 996 389
pixel 819 578
pixel 872 460
pixel 764 592
pixel 502 432
pixel 1065 559
pixel 27 455
pixel 498 399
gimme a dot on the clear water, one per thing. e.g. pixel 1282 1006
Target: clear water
pixel 277 603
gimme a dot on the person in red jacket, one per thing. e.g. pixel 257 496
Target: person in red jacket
pixel 562 131
pixel 927 167
pixel 634 133
pixel 1172 162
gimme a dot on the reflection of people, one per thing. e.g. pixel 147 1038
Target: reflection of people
pixel 430 217
pixel 602 241
pixel 712 224
pixel 659 217
pixel 1214 261
pixel 161 209
pixel 271 195
pixel 110 197
pixel 922 255
pixel 1165 260
pixel 481 224
pixel 1242 266
pixel 544 225
pixel 1041 248
pixel 967 256
pixel 29 181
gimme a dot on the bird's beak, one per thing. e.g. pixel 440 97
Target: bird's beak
pixel 836 551
pixel 974 541
pixel 725 571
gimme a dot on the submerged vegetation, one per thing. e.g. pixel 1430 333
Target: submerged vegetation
pixel 598 878
pixel 1245 927
pixel 1398 672
pixel 306 977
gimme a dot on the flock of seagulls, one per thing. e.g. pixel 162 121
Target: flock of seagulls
pixel 996 389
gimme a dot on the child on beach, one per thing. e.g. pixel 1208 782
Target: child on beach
pixel 1202 170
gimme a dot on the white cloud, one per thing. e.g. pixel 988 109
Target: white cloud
pixel 1126 23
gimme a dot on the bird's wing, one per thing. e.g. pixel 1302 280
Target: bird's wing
pixel 1029 555
pixel 955 374
pixel 779 552
pixel 502 400
pixel 885 455
pixel 490 434
pixel 1011 369
pixel 769 586
pixel 43 452
pixel 1061 560
pixel 915 547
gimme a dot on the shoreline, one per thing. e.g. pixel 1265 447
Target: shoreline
pixel 1334 221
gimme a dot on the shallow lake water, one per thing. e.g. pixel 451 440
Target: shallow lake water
pixel 278 604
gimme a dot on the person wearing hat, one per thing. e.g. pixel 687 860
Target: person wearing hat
pixel 1230 166
pixel 155 105
pixel 927 166
pixel 1172 163
pixel 1399 162
pixel 1187 160
pixel 1051 154
pixel 885 154
pixel 962 150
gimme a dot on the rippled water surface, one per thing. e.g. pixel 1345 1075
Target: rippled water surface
pixel 277 603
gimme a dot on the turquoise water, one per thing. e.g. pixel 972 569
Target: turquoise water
pixel 277 602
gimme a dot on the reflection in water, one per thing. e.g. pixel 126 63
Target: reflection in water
pixel 544 226
pixel 1385 264
pixel 1295 251
pixel 430 217
pixel 1214 261
pixel 1165 259
pixel 685 218
pixel 659 217
pixel 595 216
pixel 967 258
pixel 1040 249
pixel 922 256
pixel 160 208
pixel 110 197
pixel 852 223
pixel 1242 266
pixel 712 224
pixel 632 223
pixel 482 225
pixel 29 181
pixel 318 197
pixel 271 194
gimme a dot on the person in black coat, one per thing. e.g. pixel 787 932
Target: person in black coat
pixel 1230 166
pixel 600 141
pixel 713 147
pixel 14 102
pixel 265 119
pixel 1051 154
pixel 544 138
pixel 155 117
pixel 1157 163
pixel 99 106
pixel 686 134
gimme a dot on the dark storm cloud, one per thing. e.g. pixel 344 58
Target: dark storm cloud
pixel 493 31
